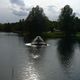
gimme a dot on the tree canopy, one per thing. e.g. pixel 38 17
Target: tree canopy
pixel 66 20
pixel 36 21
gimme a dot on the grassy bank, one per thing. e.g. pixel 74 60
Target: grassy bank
pixel 47 35
pixel 53 34
pixel 78 34
pixel 57 34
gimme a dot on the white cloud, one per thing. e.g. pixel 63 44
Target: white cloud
pixel 16 9
pixel 52 12
pixel 78 14
pixel 17 2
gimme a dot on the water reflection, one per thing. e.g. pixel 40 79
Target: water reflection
pixel 66 49
pixel 78 41
pixel 19 62
pixel 31 69
pixel 36 52
pixel 29 72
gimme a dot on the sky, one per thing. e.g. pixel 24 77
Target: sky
pixel 14 10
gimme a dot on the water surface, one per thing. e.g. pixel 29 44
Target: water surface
pixel 59 61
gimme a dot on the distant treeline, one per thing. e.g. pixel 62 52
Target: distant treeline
pixel 37 22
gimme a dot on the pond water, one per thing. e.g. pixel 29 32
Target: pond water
pixel 59 61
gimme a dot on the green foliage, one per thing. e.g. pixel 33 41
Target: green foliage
pixel 50 25
pixel 77 24
pixel 38 24
pixel 36 21
pixel 53 34
pixel 66 20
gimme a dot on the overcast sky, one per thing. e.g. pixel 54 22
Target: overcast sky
pixel 14 10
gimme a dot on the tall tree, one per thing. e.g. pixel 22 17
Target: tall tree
pixel 77 24
pixel 66 20
pixel 36 21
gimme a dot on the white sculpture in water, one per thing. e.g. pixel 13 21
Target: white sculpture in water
pixel 38 41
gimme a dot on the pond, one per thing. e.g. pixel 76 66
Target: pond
pixel 59 61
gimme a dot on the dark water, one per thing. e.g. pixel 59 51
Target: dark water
pixel 59 61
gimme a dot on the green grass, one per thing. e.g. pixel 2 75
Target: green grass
pixel 53 34
pixel 57 34
pixel 47 35
pixel 78 34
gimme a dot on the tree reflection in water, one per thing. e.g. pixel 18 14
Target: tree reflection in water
pixel 66 49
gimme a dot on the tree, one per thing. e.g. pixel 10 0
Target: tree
pixel 66 20
pixel 36 21
pixel 77 24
